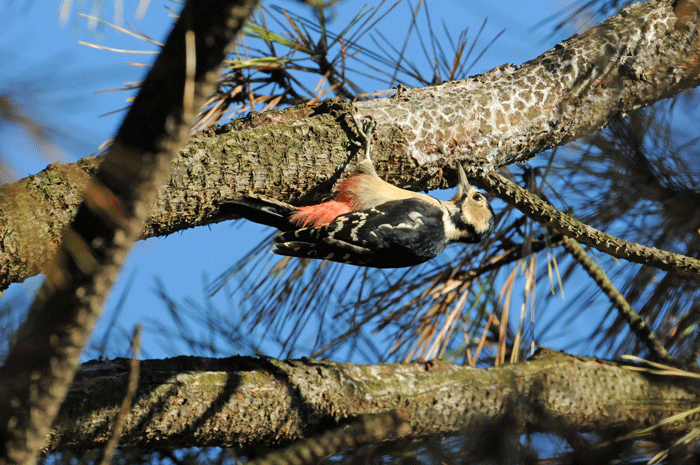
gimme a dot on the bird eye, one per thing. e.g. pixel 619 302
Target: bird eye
pixel 477 197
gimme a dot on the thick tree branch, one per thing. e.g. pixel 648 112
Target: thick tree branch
pixel 43 358
pixel 508 114
pixel 248 403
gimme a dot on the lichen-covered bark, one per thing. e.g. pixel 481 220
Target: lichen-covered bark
pixel 33 214
pixel 635 58
pixel 281 157
pixel 506 115
pixel 246 402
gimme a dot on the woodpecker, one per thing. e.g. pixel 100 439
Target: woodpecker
pixel 371 222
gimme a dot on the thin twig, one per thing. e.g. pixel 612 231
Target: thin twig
pixel 120 419
pixel 635 322
pixel 545 213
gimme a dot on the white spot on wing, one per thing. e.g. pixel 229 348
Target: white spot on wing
pixel 415 223
pixel 339 225
pixel 358 224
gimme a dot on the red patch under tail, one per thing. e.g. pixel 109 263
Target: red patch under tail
pixel 318 215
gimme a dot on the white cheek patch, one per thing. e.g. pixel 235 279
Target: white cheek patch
pixel 416 218
pixel 479 217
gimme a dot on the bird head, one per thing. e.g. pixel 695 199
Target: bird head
pixel 472 214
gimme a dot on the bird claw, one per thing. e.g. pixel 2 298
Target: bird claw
pixel 365 129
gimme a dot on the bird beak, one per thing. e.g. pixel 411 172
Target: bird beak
pixel 463 186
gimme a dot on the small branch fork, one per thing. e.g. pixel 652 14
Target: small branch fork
pixel 545 213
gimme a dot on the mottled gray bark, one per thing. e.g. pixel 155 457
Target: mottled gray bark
pixel 247 402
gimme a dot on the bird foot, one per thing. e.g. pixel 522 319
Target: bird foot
pixel 365 129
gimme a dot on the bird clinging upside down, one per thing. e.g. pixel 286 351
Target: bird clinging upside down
pixel 371 222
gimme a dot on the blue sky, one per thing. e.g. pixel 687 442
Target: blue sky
pixel 57 79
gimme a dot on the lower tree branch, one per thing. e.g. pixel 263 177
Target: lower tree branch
pixel 366 429
pixel 248 403
pixel 133 384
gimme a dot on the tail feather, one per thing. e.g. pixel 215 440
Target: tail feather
pixel 325 249
pixel 259 209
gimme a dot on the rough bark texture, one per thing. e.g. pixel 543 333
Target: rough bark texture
pixel 637 57
pixel 252 402
pixel 641 55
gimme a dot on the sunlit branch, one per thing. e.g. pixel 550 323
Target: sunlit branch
pixel 546 214
pixel 635 322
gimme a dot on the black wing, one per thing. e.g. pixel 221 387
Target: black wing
pixel 392 235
